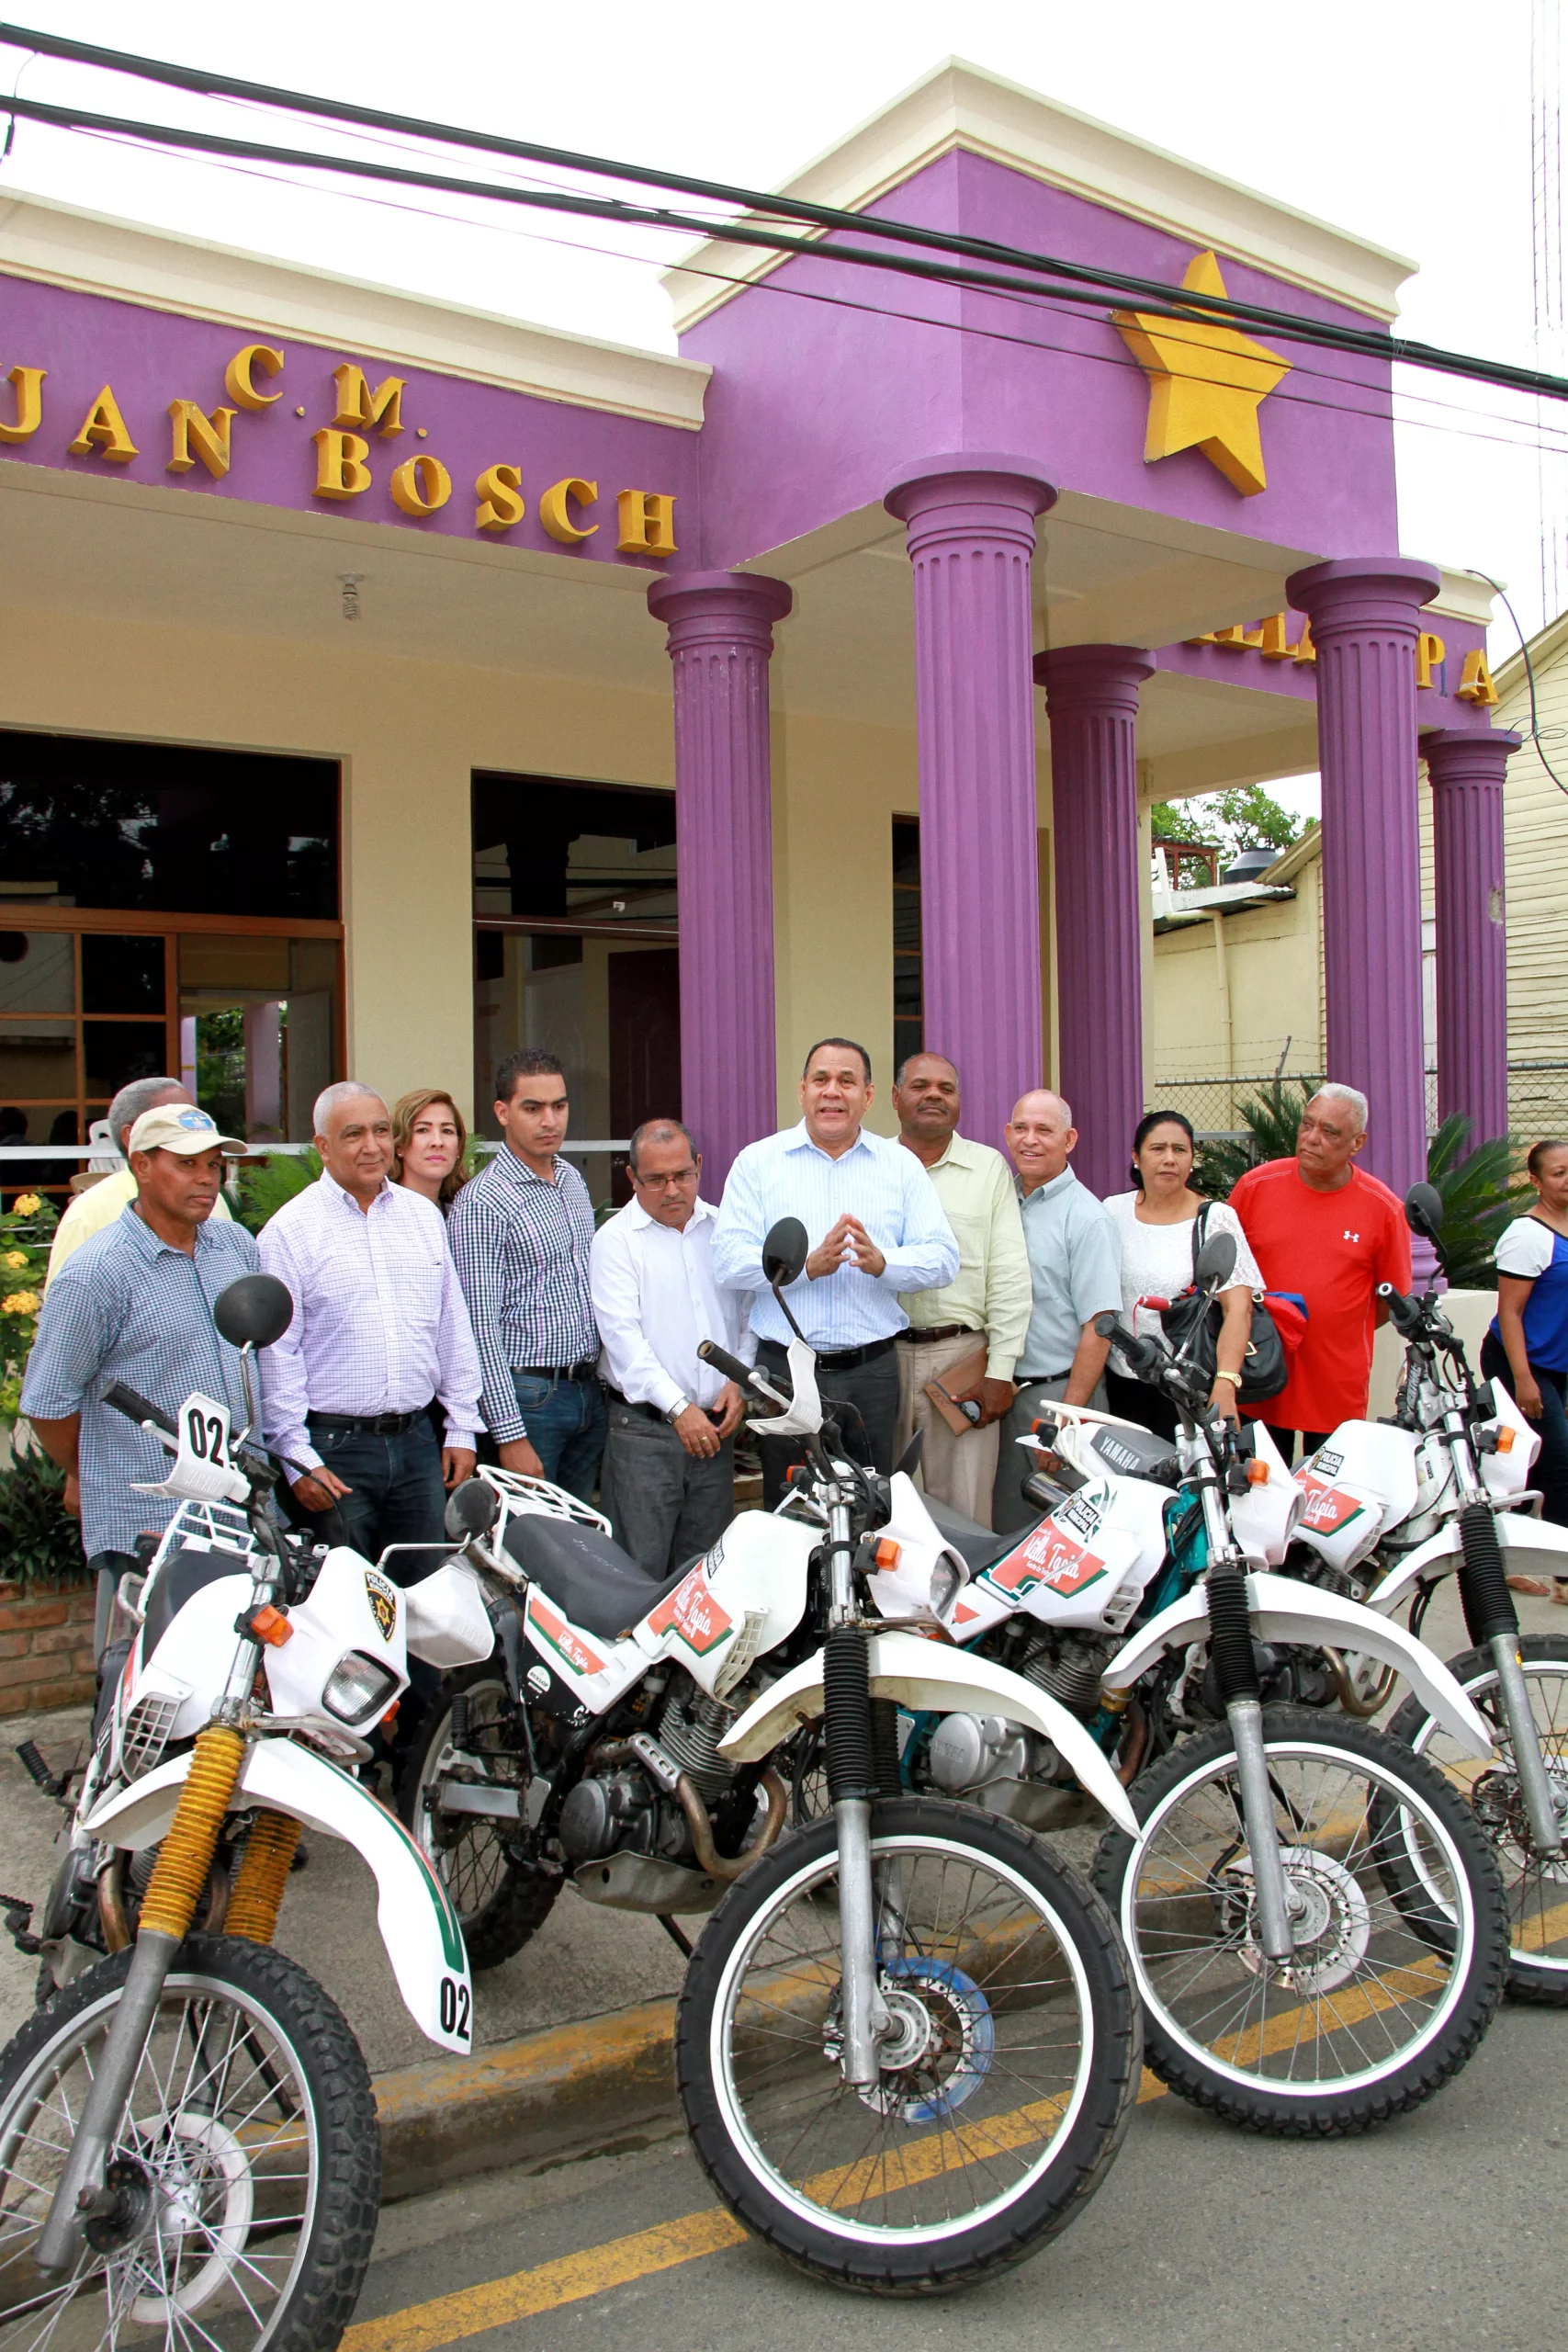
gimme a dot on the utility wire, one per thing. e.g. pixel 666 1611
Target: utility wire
pixel 1159 299
pixel 1535 734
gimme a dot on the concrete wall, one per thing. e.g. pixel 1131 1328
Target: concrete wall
pixel 1211 1015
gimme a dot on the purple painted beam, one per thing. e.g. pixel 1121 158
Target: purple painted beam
pixel 720 639
pixel 1091 697
pixel 1467 772
pixel 971 537
pixel 1366 616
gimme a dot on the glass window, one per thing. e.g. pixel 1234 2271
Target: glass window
pixel 167 828
pixel 122 974
pixel 258 1027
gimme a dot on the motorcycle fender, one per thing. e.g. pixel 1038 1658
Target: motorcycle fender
pixel 1283 1610
pixel 927 1675
pixel 1442 1552
pixel 419 1926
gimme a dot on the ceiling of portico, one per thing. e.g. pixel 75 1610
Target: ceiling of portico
pixel 116 550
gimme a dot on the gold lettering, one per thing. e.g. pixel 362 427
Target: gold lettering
pixel 340 470
pixel 647 523
pixel 1272 645
pixel 209 435
pixel 239 375
pixel 358 405
pixel 1238 638
pixel 555 516
pixel 500 505
pixel 1476 684
pixel 420 484
pixel 1429 652
pixel 29 404
pixel 1305 649
pixel 103 431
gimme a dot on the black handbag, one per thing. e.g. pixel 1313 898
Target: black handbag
pixel 1192 1324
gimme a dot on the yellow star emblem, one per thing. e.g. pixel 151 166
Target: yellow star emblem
pixel 1206 381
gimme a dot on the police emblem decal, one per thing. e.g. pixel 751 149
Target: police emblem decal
pixel 383 1604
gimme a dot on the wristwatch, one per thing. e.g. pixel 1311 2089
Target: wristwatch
pixel 1234 1377
pixel 676 1409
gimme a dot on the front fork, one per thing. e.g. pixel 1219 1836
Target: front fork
pixel 1493 1622
pixel 854 1783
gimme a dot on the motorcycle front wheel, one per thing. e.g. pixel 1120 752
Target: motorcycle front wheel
pixel 498 1903
pixel 1007 2078
pixel 1395 1977
pixel 1535 1886
pixel 246 2173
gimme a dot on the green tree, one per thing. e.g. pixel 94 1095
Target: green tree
pixel 1244 818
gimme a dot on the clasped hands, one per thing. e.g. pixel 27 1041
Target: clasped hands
pixel 847 1243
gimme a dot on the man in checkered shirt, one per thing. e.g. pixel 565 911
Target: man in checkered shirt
pixel 522 1234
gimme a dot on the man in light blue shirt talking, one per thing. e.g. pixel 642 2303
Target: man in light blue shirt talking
pixel 876 1228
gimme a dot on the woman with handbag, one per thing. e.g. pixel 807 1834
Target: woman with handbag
pixel 1162 1223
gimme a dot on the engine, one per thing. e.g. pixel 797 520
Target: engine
pixel 1068 1666
pixel 625 1801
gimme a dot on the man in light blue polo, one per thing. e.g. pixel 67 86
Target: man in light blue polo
pixel 876 1228
pixel 1075 1268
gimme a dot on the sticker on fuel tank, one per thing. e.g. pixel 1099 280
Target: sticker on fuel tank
pixel 694 1612
pixel 1053 1554
pixel 1329 1507
pixel 562 1638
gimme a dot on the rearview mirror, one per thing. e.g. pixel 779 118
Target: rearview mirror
pixel 784 1252
pixel 1216 1261
pixel 255 1311
pixel 472 1508
pixel 1423 1211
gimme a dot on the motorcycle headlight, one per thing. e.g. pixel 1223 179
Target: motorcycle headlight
pixel 947 1580
pixel 359 1690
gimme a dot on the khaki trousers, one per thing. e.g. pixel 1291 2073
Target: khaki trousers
pixel 960 1471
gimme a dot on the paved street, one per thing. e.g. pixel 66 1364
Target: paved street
pixel 1444 2229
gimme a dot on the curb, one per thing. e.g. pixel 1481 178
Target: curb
pixel 569 2091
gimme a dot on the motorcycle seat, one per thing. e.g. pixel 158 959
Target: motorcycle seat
pixel 600 1587
pixel 974 1544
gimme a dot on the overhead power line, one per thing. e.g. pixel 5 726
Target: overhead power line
pixel 1075 281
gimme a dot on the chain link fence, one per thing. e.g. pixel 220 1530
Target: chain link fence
pixel 1538 1099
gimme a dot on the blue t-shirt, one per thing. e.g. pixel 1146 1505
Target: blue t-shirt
pixel 1533 1252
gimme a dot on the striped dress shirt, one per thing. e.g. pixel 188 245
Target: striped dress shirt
pixel 523 1247
pixel 380 1323
pixel 128 1307
pixel 877 1181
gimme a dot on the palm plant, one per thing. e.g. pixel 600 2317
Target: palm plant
pixel 1272 1119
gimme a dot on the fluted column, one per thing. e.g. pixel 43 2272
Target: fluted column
pixel 1466 772
pixel 970 536
pixel 1365 615
pixel 1091 697
pixel 720 640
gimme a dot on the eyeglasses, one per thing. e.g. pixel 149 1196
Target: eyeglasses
pixel 653 1183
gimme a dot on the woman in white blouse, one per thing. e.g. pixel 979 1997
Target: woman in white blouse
pixel 1156 1224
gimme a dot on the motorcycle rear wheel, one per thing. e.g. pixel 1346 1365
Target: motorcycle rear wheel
pixel 248 2164
pixel 1393 1984
pixel 1001 2104
pixel 1536 1889
pixel 499 1904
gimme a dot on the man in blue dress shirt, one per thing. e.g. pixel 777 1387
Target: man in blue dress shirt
pixel 876 1228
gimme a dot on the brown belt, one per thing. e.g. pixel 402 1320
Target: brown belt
pixel 920 1338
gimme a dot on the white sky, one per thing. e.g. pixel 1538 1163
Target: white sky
pixel 1410 126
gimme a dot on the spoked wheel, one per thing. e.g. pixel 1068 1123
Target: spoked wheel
pixel 247 2172
pixel 1007 2076
pixel 1397 1973
pixel 500 1903
pixel 1536 1887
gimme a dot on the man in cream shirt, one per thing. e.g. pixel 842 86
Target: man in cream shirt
pixel 667 1481
pixel 98 1206
pixel 988 1306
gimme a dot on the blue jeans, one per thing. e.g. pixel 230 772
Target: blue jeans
pixel 1551 1471
pixel 398 1496
pixel 565 1423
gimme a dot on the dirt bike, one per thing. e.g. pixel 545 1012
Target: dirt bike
pixel 188 2144
pixel 905 2043
pixel 1313 1920
pixel 1390 1509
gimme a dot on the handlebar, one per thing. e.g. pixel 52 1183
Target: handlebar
pixel 136 1407
pixel 1405 1314
pixel 722 1360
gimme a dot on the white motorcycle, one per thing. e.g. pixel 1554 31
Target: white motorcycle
pixel 1315 1923
pixel 1390 1509
pixel 906 2045
pixel 188 2144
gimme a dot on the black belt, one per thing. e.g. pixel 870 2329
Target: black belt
pixel 1037 1379
pixel 580 1371
pixel 367 1424
pixel 845 1360
pixel 918 1337
pixel 632 1404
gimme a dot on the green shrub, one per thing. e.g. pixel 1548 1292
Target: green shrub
pixel 38 1543
pixel 27 1229
pixel 265 1184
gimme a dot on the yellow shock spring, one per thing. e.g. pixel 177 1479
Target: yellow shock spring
pixel 263 1875
pixel 185 1855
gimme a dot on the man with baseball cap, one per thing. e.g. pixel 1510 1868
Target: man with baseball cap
pixel 135 1304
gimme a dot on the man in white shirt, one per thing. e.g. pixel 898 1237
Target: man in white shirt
pixel 379 1328
pixel 668 1480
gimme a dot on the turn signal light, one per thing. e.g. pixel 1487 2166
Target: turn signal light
pixel 1257 1474
pixel 270 1625
pixel 888 1554
pixel 1505 1437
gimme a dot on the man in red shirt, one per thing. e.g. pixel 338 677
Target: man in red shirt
pixel 1320 1225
